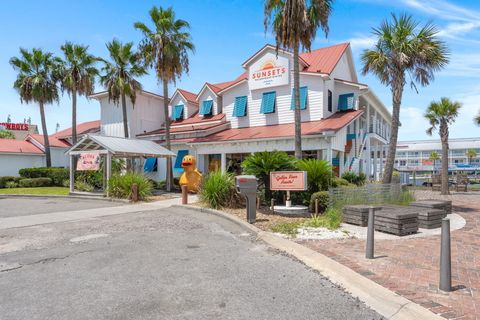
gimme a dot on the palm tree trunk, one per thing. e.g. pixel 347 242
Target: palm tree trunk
pixel 74 117
pixel 397 91
pixel 166 102
pixel 124 112
pixel 297 115
pixel 46 142
pixel 444 138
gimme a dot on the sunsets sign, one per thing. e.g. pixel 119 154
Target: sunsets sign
pixel 288 180
pixel 268 71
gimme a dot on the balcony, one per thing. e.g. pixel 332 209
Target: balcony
pixel 380 129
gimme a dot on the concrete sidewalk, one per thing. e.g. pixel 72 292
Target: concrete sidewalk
pixel 63 216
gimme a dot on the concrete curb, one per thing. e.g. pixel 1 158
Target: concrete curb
pixel 382 300
pixel 52 196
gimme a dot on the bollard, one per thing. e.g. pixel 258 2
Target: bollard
pixel 370 233
pixel 184 194
pixel 272 205
pixel 258 203
pixel 445 257
pixel 134 192
pixel 316 206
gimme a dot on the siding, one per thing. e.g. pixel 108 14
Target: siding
pixel 207 94
pixel 11 163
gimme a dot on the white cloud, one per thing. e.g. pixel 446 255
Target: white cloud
pixel 413 122
pixel 463 65
pixel 362 42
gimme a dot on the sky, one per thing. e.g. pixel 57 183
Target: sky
pixel 225 34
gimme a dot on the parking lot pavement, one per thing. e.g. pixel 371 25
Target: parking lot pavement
pixel 16 207
pixel 169 263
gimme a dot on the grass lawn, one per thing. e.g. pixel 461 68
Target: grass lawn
pixel 59 191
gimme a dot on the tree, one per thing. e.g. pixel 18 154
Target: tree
pixel 434 156
pixel 403 48
pixel 471 153
pixel 5 134
pixel 477 119
pixel 295 23
pixel 165 48
pixel 37 78
pixel 440 115
pixel 260 164
pixel 78 76
pixel 119 76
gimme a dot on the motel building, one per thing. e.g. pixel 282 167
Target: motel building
pixel 343 121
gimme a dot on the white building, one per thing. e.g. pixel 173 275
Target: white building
pixel 342 120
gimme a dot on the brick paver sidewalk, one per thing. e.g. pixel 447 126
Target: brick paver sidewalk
pixel 410 267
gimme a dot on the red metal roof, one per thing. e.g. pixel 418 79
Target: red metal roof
pixel 197 118
pixel 186 129
pixel 191 97
pixel 53 140
pixel 82 128
pixel 18 146
pixel 333 123
pixel 324 60
pixel 217 87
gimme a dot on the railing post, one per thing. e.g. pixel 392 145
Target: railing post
pixel 369 254
pixel 184 194
pixel 445 257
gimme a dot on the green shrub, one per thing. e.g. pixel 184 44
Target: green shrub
pixel 83 186
pixel 35 182
pixel 319 173
pixel 6 134
pixel 11 184
pixel 357 179
pixel 288 228
pixel 323 200
pixel 340 182
pixel 93 178
pixel 57 174
pixel 121 186
pixel 66 183
pixel 217 190
pixel 5 179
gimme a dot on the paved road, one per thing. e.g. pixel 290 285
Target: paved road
pixel 15 207
pixel 162 264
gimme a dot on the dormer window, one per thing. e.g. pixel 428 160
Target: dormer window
pixel 268 102
pixel 177 112
pixel 346 102
pixel 303 98
pixel 207 108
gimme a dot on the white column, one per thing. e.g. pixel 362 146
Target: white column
pixel 368 157
pixel 223 164
pixel 108 165
pixel 381 160
pixel 341 157
pixel 374 149
pixel 72 173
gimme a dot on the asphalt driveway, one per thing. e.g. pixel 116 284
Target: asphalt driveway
pixel 163 264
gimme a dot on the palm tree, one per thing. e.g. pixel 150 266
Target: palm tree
pixel 403 48
pixel 78 76
pixel 119 76
pixel 471 153
pixel 295 23
pixel 440 115
pixel 477 119
pixel 38 74
pixel 434 156
pixel 165 48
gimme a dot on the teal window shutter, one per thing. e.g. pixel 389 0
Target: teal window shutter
pixel 303 99
pixel 346 102
pixel 240 106
pixel 178 160
pixel 150 165
pixel 207 108
pixel 268 102
pixel 177 112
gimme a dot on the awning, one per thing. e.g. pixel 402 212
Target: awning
pixel 120 147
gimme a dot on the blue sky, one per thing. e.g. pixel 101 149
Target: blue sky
pixel 225 34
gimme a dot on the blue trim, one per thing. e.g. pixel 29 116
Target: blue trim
pixel 346 101
pixel 268 102
pixel 178 160
pixel 240 106
pixel 207 108
pixel 150 165
pixel 336 162
pixel 351 136
pixel 303 98
pixel 177 112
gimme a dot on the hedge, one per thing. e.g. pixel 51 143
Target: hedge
pixel 5 179
pixel 57 174
pixel 35 182
pixel 323 199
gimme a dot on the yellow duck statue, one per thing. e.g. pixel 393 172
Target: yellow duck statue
pixel 190 177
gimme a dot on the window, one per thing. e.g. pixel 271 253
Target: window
pixel 346 101
pixel 330 101
pixel 177 112
pixel 207 107
pixel 240 106
pixel 403 163
pixel 150 165
pixel 178 160
pixel 303 98
pixel 268 102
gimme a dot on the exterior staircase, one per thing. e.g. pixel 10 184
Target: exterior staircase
pixel 355 162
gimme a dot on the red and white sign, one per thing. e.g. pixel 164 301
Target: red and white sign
pixel 288 180
pixel 88 162
pixel 15 126
pixel 269 71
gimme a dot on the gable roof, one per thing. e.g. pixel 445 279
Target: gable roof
pixel 52 140
pixel 102 94
pixel 271 47
pixel 18 146
pixel 187 95
pixel 324 60
pixel 82 128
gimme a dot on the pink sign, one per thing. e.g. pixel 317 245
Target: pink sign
pixel 88 162
pixel 288 180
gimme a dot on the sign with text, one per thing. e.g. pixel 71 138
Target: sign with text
pixel 288 180
pixel 269 71
pixel 88 161
pixel 15 126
